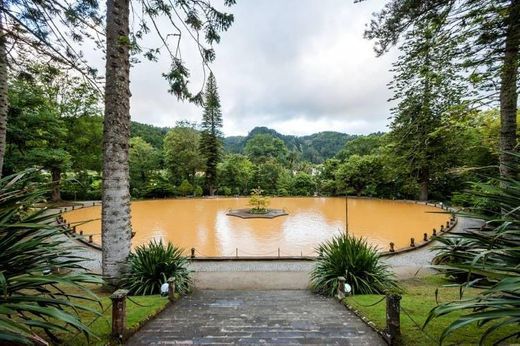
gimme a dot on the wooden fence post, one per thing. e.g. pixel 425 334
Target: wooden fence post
pixel 171 289
pixel 393 318
pixel 340 294
pixel 119 313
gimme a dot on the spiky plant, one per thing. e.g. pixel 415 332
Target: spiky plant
pixel 357 261
pixel 151 265
pixel 490 258
pixel 37 268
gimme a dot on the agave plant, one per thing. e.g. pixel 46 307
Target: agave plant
pixel 357 261
pixel 490 258
pixel 151 265
pixel 36 268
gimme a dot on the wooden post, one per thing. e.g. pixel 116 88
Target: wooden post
pixel 132 235
pixel 442 228
pixel 392 249
pixel 425 237
pixel 412 242
pixel 90 238
pixel 447 224
pixel 81 232
pixel 340 294
pixel 434 232
pixel 236 252
pixel 393 318
pixel 73 229
pixel 192 252
pixel 118 314
pixel 278 252
pixel 171 289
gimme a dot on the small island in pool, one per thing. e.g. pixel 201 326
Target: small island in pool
pixel 259 208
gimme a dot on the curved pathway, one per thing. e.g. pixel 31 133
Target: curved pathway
pixel 286 317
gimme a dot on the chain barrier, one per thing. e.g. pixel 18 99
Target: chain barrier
pixel 369 305
pixel 94 320
pixel 418 326
pixel 138 304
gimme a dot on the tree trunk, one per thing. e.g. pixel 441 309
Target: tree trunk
pixel 423 194
pixel 55 184
pixel 4 101
pixel 508 92
pixel 116 226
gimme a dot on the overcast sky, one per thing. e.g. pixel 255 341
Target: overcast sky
pixel 298 66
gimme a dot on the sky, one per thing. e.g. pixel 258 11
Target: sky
pixel 297 66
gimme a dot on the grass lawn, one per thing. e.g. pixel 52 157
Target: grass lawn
pixel 418 300
pixel 102 326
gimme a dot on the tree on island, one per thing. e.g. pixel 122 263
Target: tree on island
pixel 211 134
pixel 487 34
pixel 187 18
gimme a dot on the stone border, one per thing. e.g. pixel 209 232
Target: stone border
pixel 246 214
pixel 449 227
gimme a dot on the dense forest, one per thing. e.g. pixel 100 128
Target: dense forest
pixel 55 130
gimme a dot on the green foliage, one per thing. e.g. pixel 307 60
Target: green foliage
pixel 152 265
pixel 235 173
pixel 263 147
pixel 149 133
pixel 303 185
pixel 198 192
pixel 185 188
pixel 211 134
pixel 487 257
pixel 357 261
pixel 182 154
pixel 144 162
pixel 37 267
pixel 258 202
pixel 360 174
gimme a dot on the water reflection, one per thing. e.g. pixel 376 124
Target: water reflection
pixel 204 225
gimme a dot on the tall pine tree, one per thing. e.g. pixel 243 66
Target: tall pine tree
pixel 427 87
pixel 211 135
pixel 488 38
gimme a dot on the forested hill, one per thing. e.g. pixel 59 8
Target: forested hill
pixel 314 148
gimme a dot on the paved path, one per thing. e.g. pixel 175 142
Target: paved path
pixel 255 317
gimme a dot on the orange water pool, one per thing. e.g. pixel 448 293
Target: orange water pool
pixel 203 224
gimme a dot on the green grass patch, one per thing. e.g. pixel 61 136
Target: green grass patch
pixel 418 299
pixel 102 326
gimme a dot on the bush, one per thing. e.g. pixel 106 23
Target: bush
pixel 185 188
pixel 357 261
pixel 197 192
pixel 37 269
pixel 151 265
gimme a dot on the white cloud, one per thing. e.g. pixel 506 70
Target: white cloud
pixel 298 66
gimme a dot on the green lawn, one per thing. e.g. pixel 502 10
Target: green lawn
pixel 101 326
pixel 418 300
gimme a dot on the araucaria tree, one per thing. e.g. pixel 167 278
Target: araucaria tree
pixel 487 33
pixel 50 29
pixel 211 134
pixel 427 87
pixel 188 17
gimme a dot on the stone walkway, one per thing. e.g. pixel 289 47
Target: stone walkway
pixel 255 317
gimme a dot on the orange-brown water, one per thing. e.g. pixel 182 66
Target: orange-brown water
pixel 204 225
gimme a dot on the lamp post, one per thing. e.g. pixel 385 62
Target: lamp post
pixel 346 213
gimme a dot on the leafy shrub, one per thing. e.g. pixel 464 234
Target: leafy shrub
pixel 151 265
pixel 226 191
pixel 185 188
pixel 197 192
pixel 357 261
pixel 489 257
pixel 37 267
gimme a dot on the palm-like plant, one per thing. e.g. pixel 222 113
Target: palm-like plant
pixel 36 268
pixel 151 265
pixel 357 261
pixel 490 258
